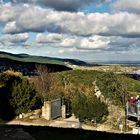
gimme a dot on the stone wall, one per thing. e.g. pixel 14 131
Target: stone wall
pixel 46 111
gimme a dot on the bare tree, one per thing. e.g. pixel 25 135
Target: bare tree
pixel 121 92
pixel 42 81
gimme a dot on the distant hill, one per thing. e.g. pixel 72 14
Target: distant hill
pixel 27 64
pixel 42 59
pixel 28 68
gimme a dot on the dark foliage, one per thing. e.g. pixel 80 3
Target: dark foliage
pixel 28 68
pixel 89 107
pixel 17 95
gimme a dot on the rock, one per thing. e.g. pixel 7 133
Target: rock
pixel 34 117
pixel 27 115
pixel 20 116
pixel 37 112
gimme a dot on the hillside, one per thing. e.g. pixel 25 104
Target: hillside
pixel 87 77
pixel 28 68
pixel 42 59
pixel 26 63
pixel 107 82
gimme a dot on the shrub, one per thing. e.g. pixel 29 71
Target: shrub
pixel 22 96
pixel 89 106
pixel 17 95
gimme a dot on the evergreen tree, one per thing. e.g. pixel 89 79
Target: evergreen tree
pixel 22 96
pixel 17 95
pixel 89 106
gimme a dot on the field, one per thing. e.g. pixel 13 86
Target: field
pixel 110 67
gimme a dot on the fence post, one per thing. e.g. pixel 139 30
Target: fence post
pixel 63 108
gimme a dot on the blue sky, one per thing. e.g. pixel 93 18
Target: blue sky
pixel 91 30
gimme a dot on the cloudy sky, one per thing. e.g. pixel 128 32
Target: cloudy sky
pixel 91 30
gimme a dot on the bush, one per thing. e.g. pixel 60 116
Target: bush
pixel 89 106
pixel 17 95
pixel 22 96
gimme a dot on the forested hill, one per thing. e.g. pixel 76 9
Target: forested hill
pixel 26 63
pixel 42 59
pixel 28 68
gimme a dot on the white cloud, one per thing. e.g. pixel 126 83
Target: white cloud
pixel 61 51
pixel 130 5
pixel 50 38
pixel 29 19
pixel 10 13
pixel 6 13
pixel 17 38
pixel 67 41
pixel 34 19
pixel 70 42
pixel 95 42
pixel 10 27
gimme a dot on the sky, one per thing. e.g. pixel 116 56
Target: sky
pixel 89 30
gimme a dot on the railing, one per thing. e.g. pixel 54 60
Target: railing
pixel 133 110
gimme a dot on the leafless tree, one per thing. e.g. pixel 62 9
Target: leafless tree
pixel 42 81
